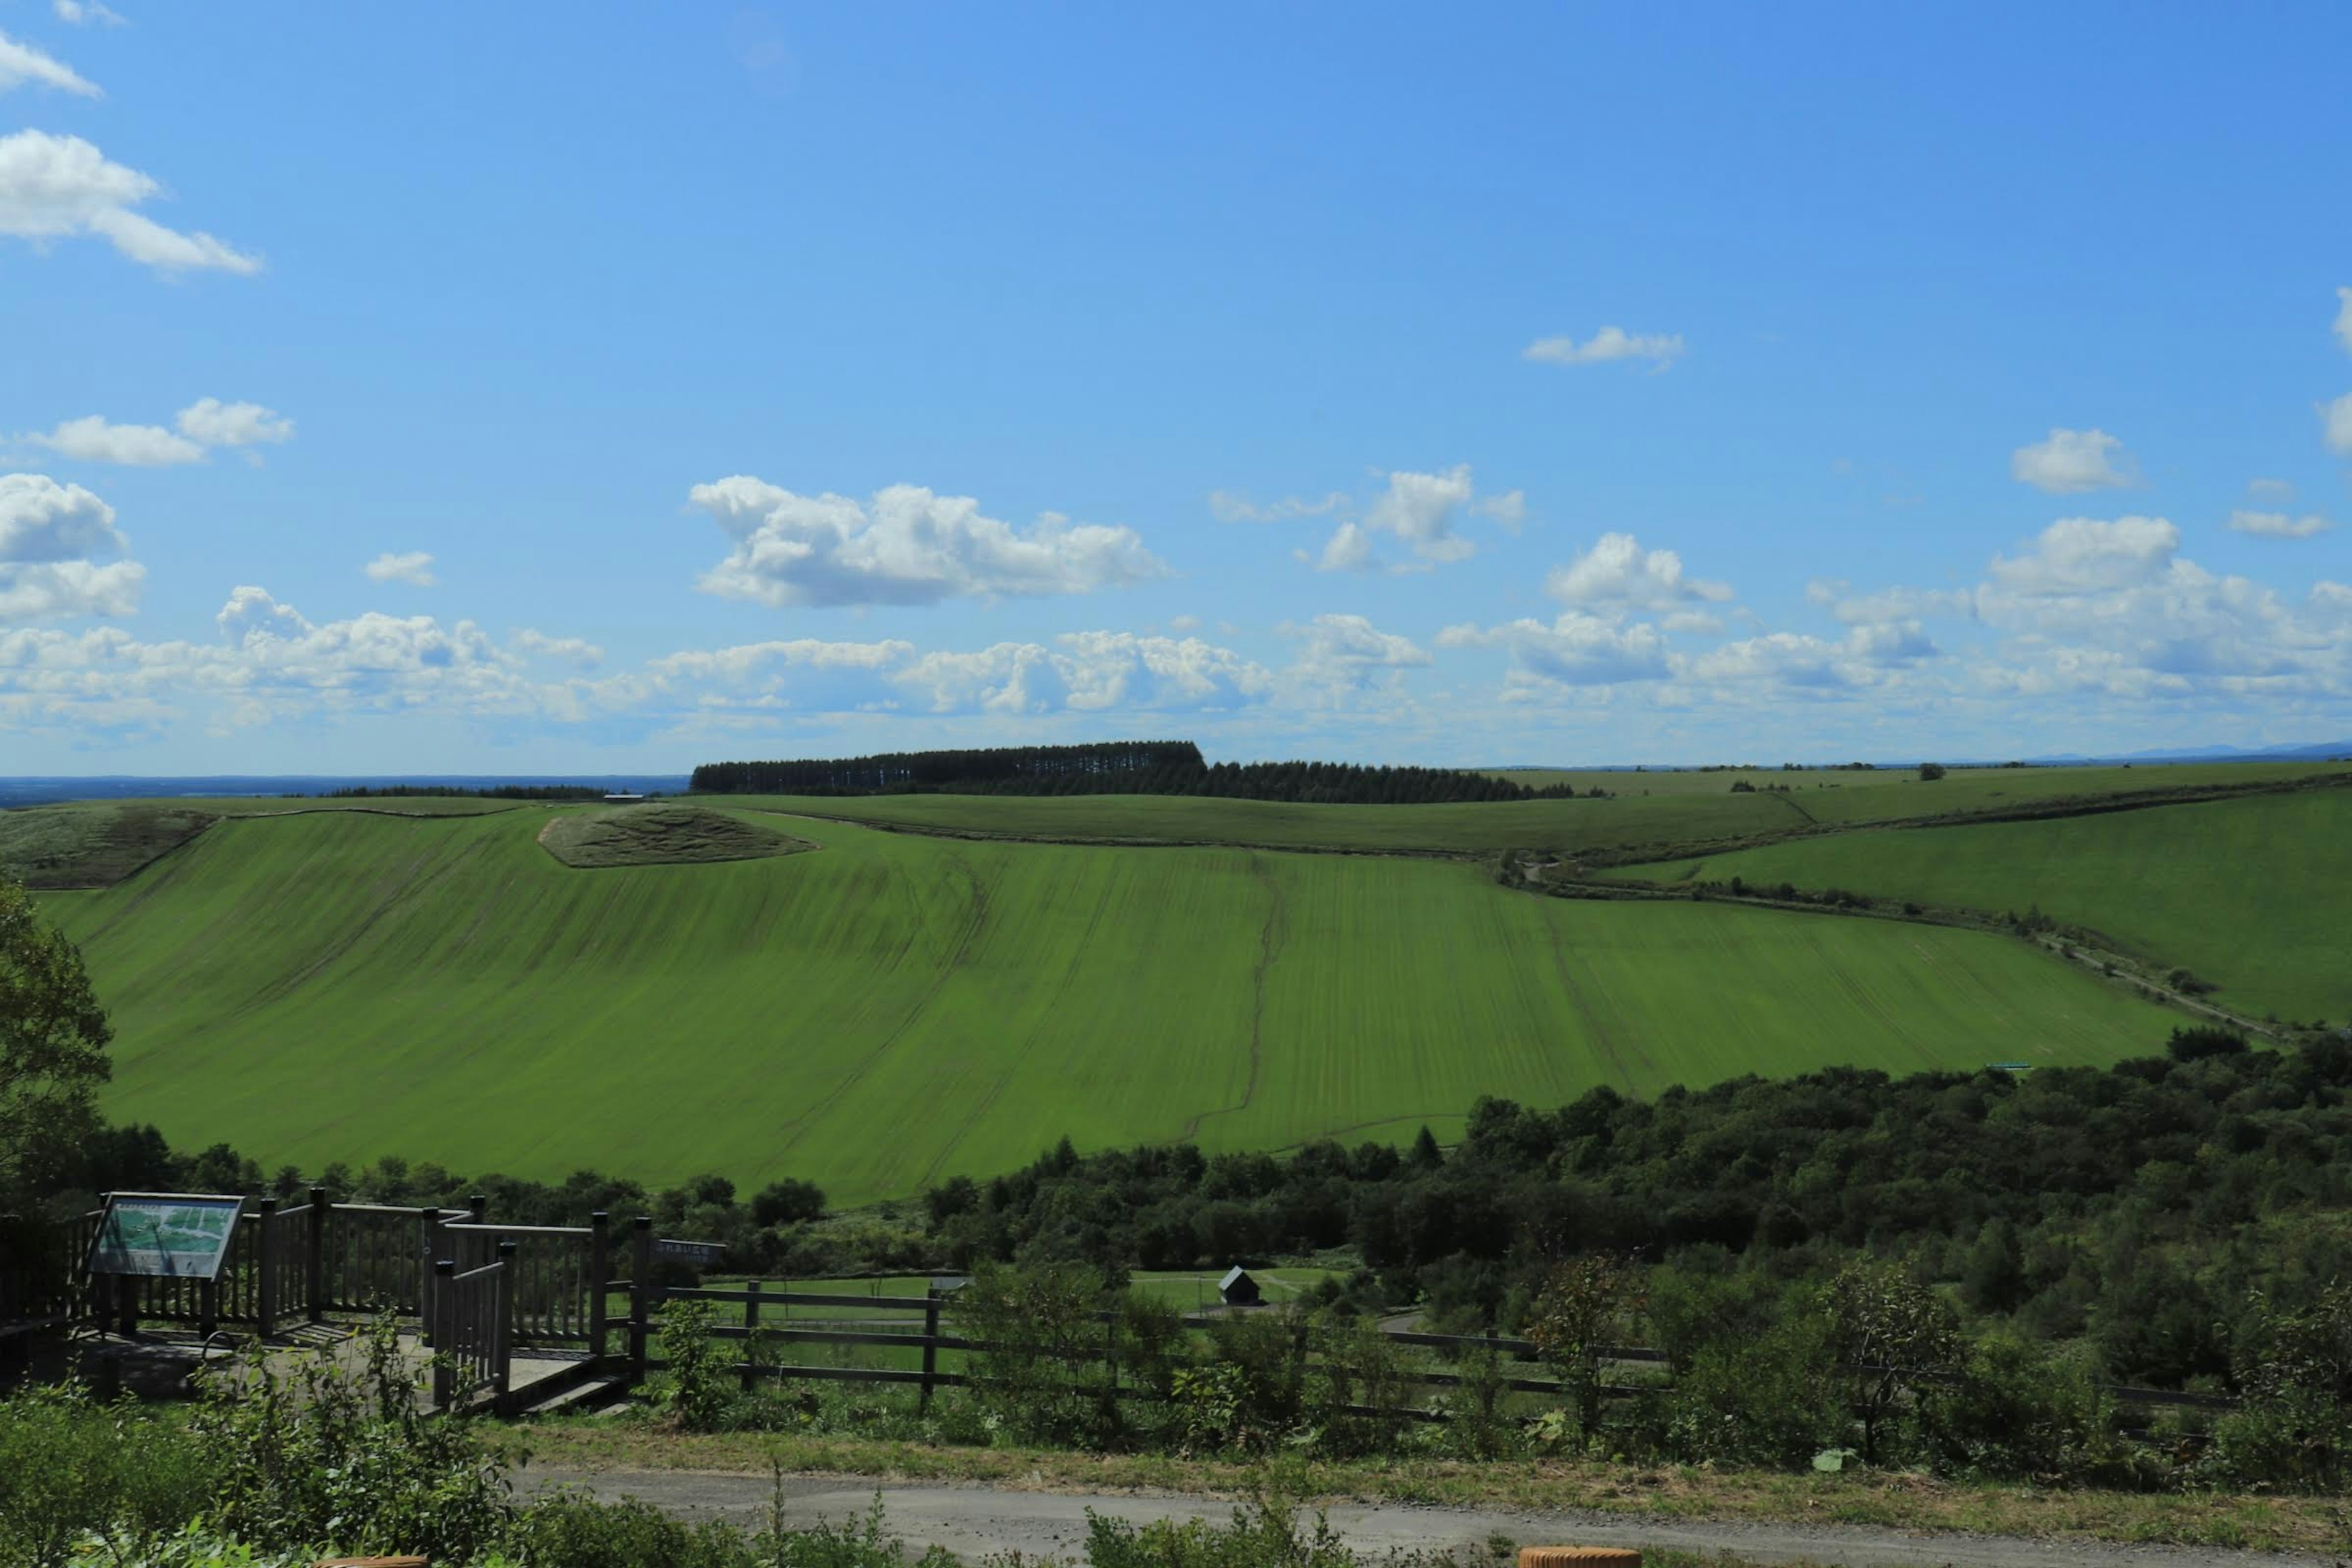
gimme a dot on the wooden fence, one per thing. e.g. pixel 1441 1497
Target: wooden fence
pixel 757 1296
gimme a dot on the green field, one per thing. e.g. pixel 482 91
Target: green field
pixel 895 1008
pixel 1685 807
pixel 2253 895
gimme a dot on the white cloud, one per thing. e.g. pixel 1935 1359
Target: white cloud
pixel 1888 604
pixel 48 532
pixel 1618 574
pixel 1575 649
pixel 1509 509
pixel 1609 343
pixel 90 439
pixel 87 13
pixel 578 652
pixel 2336 422
pixel 2277 524
pixel 413 567
pixel 2078 555
pixel 217 424
pixel 1231 506
pixel 1350 549
pixel 2344 316
pixel 42 521
pixel 1418 509
pixel 53 187
pixel 22 63
pixel 1348 650
pixel 2072 461
pixel 2280 487
pixel 905 546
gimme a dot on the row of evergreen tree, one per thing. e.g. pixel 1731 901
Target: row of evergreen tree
pixel 1126 767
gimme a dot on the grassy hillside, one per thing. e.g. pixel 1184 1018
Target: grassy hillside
pixel 1644 809
pixel 892 1008
pixel 2255 895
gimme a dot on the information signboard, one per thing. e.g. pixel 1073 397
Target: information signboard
pixel 695 1253
pixel 181 1236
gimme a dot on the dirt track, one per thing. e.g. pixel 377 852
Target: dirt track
pixel 977 1521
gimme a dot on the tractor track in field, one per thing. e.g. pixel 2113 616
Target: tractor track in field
pixel 1266 938
pixel 978 895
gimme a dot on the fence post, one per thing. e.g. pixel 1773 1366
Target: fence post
pixel 428 1242
pixel 315 1265
pixel 600 1280
pixel 264 1295
pixel 930 1344
pixel 502 1334
pixel 444 1299
pixel 641 1289
pixel 751 1331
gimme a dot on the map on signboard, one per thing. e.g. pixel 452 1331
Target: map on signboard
pixel 165 1234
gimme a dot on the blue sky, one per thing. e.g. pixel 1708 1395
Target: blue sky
pixel 535 388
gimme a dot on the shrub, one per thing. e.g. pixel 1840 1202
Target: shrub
pixel 694 1389
pixel 345 1459
pixel 1264 1536
pixel 68 1464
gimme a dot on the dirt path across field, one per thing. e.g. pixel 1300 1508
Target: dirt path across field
pixel 978 1521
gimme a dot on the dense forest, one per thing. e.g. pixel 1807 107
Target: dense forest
pixel 1136 767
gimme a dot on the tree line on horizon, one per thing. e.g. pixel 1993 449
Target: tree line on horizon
pixel 1117 767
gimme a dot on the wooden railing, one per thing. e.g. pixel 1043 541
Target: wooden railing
pixel 560 1276
pixel 757 1297
pixel 473 1343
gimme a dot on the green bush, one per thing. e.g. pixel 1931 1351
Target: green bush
pixel 68 1465
pixel 1264 1536
pixel 695 1387
pixel 565 1531
pixel 345 1459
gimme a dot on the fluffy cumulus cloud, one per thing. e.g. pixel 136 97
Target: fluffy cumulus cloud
pixel 203 425
pixel 50 537
pixel 92 439
pixel 413 567
pixel 1617 574
pixel 1573 649
pixel 904 545
pixel 21 64
pixel 1419 510
pixel 2277 524
pixel 212 423
pixel 1609 343
pixel 86 14
pixel 2113 606
pixel 2071 461
pixel 54 187
pixel 1078 672
pixel 1348 651
pixel 1086 672
pixel 2336 424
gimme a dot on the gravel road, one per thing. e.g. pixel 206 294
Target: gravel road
pixel 977 1521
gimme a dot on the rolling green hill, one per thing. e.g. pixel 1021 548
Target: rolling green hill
pixel 1644 810
pixel 891 1008
pixel 2255 895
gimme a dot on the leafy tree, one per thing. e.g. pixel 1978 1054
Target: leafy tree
pixel 794 1202
pixel 1889 1333
pixel 53 1040
pixel 1580 1312
pixel 1930 772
